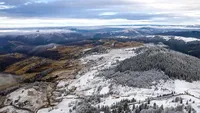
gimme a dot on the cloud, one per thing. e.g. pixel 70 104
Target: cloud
pixel 2 3
pixel 3 6
pixel 44 22
pixel 6 22
pixel 108 13
pixel 14 2
pixel 6 7
pixel 165 11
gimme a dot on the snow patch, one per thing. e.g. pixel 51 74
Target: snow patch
pixel 104 90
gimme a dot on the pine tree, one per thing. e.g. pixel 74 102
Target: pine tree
pixel 133 107
pixel 148 101
pixel 154 106
pixel 181 101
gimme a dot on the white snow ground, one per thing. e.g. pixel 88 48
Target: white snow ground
pixel 34 99
pixel 10 109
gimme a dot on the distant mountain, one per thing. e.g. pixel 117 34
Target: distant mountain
pixel 26 42
pixel 47 38
pixel 125 32
pixel 34 42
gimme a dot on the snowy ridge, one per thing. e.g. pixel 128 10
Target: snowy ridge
pixel 167 38
pixel 186 39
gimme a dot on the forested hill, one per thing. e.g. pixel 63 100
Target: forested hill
pixel 173 64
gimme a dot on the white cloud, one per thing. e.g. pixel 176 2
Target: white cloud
pixel 187 8
pixel 108 13
pixel 41 1
pixel 168 4
pixel 6 22
pixel 27 3
pixel 71 12
pixel 2 3
pixel 6 7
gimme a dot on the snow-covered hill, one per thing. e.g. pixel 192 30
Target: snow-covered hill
pixel 89 84
pixel 89 90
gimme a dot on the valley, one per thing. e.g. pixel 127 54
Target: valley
pixel 135 70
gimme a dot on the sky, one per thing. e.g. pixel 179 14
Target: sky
pixel 53 13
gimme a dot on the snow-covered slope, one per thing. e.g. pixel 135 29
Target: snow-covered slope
pixel 89 85
pixel 167 38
